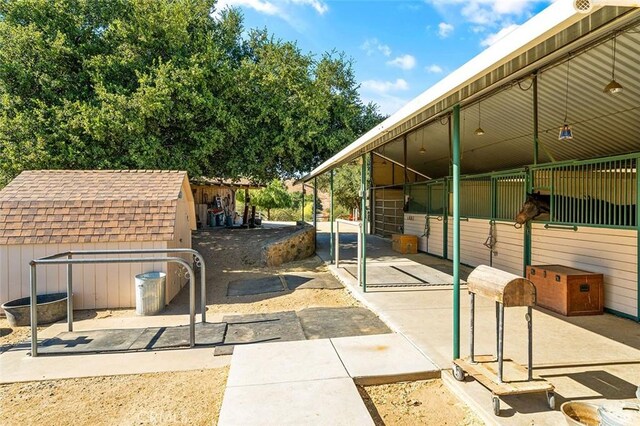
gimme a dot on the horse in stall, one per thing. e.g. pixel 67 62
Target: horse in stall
pixel 572 209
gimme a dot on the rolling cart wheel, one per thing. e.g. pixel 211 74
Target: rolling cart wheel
pixel 551 399
pixel 458 373
pixel 496 405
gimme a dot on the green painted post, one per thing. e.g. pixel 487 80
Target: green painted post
pixel 535 119
pixel 363 224
pixel 302 209
pixel 315 202
pixel 456 230
pixel 331 217
pixel 528 184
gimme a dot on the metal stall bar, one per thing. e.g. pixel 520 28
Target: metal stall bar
pixel 363 226
pixel 455 162
pixel 337 247
pixel 199 262
pixel 34 285
pixel 315 202
pixel 331 217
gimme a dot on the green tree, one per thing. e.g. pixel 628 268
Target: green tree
pixel 163 84
pixel 273 196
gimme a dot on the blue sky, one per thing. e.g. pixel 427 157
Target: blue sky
pixel 399 48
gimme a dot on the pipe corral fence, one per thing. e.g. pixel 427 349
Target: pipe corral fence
pixel 66 258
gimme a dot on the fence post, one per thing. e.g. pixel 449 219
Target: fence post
pixel 456 230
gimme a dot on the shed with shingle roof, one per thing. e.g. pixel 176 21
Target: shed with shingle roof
pixel 44 212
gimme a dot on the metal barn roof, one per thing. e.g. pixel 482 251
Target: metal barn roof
pixel 498 81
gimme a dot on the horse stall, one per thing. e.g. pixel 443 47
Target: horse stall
pixel 581 214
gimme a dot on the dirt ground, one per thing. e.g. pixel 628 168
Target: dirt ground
pixel 195 397
pixel 188 397
pixel 416 403
pixel 233 255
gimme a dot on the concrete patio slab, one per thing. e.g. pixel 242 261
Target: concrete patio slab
pixel 323 323
pixel 317 402
pixel 17 366
pixel 381 359
pixel 384 275
pixel 285 362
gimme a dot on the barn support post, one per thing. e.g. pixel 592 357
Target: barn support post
pixel 535 118
pixel 363 224
pixel 331 216
pixel 372 206
pixel 526 246
pixel 302 208
pixel 455 163
pixel 315 202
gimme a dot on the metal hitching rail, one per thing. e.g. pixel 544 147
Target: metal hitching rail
pixel 66 258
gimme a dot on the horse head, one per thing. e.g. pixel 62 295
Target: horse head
pixel 534 206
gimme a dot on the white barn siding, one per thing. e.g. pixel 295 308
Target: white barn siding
pixel 611 252
pixel 94 286
pixel 509 248
pixel 473 234
pixel 414 224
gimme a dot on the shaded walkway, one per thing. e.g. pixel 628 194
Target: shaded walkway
pixel 593 358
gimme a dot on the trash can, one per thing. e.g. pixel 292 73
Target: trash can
pixel 150 288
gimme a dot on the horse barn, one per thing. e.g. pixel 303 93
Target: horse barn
pixel 552 110
pixel 45 212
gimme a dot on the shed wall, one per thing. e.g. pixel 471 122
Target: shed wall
pixel 94 286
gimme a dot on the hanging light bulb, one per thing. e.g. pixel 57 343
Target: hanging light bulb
pixel 565 130
pixel 479 131
pixel 613 87
pixel 384 160
pixel 422 150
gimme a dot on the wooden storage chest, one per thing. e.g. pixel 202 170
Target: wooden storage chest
pixel 406 244
pixel 566 290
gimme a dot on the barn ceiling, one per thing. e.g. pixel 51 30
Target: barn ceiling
pixel 602 124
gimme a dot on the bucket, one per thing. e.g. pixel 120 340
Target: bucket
pixel 150 290
pixel 580 413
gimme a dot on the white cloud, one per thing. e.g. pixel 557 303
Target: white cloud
pixel 434 69
pixel 486 15
pixel 318 5
pixel 272 7
pixel 444 29
pixel 381 87
pixel 492 38
pixel 262 6
pixel 388 103
pixel 372 45
pixel 405 62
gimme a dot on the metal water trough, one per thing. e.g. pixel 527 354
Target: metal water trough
pixel 50 307
pixel 506 290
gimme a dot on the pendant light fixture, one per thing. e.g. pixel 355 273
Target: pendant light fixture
pixel 565 130
pixel 422 150
pixel 384 160
pixel 613 87
pixel 479 131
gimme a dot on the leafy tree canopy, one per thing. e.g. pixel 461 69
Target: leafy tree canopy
pixel 273 196
pixel 162 84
